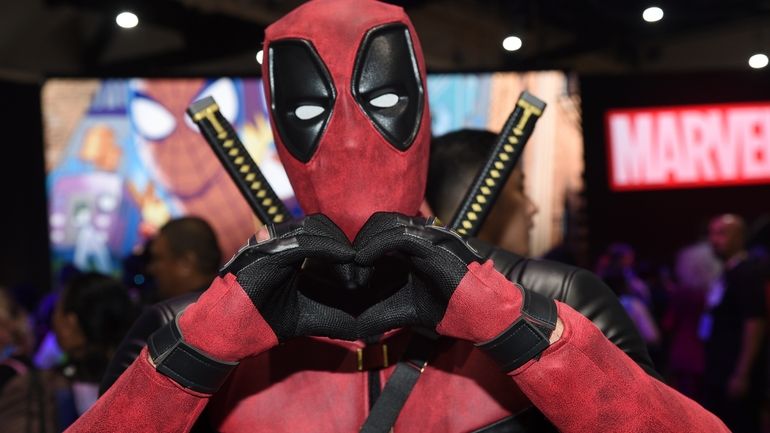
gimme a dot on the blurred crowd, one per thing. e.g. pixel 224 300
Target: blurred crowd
pixel 55 352
pixel 703 316
pixel 704 323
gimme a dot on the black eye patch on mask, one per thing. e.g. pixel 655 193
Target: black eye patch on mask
pixel 302 95
pixel 387 85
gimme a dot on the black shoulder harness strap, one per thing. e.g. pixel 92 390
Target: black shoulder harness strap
pixel 400 384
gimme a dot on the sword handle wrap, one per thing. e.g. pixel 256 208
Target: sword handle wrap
pixel 231 152
pixel 505 154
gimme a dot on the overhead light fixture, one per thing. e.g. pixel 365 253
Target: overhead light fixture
pixel 512 43
pixel 758 61
pixel 127 20
pixel 260 55
pixel 652 14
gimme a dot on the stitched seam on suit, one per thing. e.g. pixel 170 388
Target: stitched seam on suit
pixel 527 353
pixel 513 335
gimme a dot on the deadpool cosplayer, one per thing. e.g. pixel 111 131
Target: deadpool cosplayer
pixel 304 329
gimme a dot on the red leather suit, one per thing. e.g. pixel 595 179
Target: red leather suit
pixel 349 163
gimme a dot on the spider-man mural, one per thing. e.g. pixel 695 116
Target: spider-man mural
pixel 181 161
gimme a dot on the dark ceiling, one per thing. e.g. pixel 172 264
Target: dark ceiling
pixel 40 38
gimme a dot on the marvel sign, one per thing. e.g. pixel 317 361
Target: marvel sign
pixel 689 146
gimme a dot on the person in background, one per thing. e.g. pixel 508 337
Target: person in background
pixel 184 257
pixel 48 354
pixel 455 160
pixel 759 248
pixel 91 317
pixel 637 310
pixel 16 335
pixel 621 257
pixel 733 328
pixel 696 271
pixel 26 404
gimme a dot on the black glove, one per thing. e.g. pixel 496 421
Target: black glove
pixel 200 347
pixel 456 295
pixel 267 270
pixel 439 258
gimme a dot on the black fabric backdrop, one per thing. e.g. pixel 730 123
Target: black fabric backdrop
pixel 24 250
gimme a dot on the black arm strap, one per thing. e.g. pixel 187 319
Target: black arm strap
pixel 400 384
pixel 528 336
pixel 184 364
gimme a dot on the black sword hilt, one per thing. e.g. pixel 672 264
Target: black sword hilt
pixel 505 154
pixel 231 152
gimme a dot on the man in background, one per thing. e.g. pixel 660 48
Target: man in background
pixel 455 160
pixel 184 257
pixel 733 328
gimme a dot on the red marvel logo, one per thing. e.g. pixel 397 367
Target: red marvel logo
pixel 688 146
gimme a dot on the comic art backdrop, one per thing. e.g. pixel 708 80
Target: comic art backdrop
pixel 122 157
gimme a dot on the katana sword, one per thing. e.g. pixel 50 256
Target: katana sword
pixel 491 179
pixel 231 152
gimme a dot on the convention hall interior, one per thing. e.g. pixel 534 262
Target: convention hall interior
pixel 647 164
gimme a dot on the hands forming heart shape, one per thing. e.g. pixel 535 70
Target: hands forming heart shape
pixel 267 271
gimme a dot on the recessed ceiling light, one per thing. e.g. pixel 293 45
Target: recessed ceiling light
pixel 127 20
pixel 652 14
pixel 512 43
pixel 758 61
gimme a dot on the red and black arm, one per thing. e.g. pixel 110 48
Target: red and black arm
pixel 577 378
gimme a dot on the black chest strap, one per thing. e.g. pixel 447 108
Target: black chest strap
pixel 400 384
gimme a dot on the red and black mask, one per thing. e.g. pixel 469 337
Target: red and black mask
pixel 345 81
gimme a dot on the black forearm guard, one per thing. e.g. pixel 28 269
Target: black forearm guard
pixel 528 336
pixel 184 364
